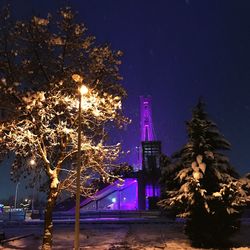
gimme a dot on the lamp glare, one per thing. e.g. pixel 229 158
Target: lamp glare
pixel 83 90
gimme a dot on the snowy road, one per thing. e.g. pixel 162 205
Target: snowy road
pixel 114 236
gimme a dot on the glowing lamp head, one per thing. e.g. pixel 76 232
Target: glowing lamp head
pixel 113 200
pixel 83 90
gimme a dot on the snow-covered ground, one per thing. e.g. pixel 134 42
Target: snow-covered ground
pixel 114 236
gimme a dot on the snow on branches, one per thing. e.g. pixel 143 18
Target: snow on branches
pixel 202 175
pixel 38 59
pixel 46 129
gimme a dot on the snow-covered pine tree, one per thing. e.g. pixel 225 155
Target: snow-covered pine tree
pixel 204 188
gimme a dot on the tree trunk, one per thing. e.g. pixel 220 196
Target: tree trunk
pixel 48 223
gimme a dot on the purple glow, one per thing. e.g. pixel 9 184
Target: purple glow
pixel 152 190
pixel 117 196
pixel 146 119
pixel 157 191
pixel 149 190
pixel 129 196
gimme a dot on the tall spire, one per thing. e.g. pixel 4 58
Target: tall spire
pixel 147 130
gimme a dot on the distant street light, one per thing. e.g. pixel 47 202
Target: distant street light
pixel 32 162
pixel 83 90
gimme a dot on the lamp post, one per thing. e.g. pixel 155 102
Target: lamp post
pixel 17 185
pixel 33 163
pixel 83 90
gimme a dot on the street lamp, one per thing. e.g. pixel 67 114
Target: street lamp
pixel 83 90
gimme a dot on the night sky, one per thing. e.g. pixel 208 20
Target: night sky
pixel 175 51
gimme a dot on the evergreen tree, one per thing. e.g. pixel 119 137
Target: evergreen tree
pixel 202 186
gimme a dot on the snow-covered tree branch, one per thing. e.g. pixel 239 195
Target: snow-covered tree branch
pixel 38 59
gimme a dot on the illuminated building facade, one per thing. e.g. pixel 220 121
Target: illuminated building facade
pixel 140 191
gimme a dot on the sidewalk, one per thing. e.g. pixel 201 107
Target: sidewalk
pixel 112 236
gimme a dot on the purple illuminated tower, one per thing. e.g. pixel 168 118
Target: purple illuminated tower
pixel 150 152
pixel 147 130
pixel 151 148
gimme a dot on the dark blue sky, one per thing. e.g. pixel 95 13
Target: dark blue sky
pixel 176 51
